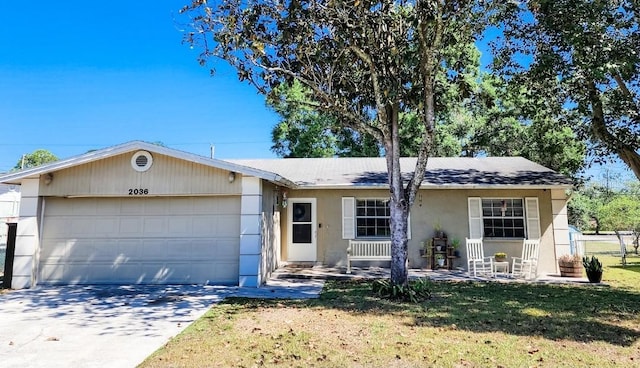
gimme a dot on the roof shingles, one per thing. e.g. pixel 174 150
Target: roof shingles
pixel 441 171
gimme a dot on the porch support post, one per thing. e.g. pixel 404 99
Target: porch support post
pixel 250 232
pixel 560 224
pixel 27 236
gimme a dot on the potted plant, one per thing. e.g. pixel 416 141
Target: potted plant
pixel 455 244
pixel 500 256
pixel 437 230
pixel 570 265
pixel 594 269
pixel 440 260
pixel 426 248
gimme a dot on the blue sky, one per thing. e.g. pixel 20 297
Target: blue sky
pixel 76 76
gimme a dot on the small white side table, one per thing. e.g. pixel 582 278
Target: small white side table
pixel 501 268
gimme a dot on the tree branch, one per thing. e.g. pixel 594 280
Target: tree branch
pixel 599 129
pixel 625 91
pixel 380 106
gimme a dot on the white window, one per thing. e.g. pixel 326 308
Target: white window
pixel 372 218
pixel 504 218
pixel 367 218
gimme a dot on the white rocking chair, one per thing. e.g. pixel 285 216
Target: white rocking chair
pixel 477 263
pixel 527 265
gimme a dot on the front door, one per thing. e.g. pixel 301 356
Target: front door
pixel 302 230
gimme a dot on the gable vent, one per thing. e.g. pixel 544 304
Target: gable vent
pixel 141 161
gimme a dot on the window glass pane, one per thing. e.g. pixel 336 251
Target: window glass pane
pixel 372 218
pixel 503 217
pixel 302 233
pixel 301 212
pixel 486 208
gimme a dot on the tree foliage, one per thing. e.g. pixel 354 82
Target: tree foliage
pixel 622 214
pixel 597 207
pixel 475 115
pixel 583 55
pixel 585 205
pixel 495 120
pixel 35 158
pixel 364 62
pixel 306 132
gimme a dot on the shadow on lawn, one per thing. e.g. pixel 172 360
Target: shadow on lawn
pixel 631 266
pixel 583 314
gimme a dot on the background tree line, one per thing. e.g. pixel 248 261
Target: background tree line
pixel 478 115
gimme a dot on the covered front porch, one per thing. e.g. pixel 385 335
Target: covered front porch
pixel 322 272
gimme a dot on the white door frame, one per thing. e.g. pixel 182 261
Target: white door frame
pixel 302 252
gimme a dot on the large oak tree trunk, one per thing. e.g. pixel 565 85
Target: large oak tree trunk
pixel 399 244
pixel 398 206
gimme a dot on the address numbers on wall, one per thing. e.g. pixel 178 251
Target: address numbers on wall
pixel 138 191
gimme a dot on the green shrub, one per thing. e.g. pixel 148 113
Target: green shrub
pixel 415 291
pixel 592 265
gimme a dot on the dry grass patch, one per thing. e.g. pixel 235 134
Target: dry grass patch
pixel 463 325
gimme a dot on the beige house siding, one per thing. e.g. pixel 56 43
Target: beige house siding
pixel 114 176
pixel 449 207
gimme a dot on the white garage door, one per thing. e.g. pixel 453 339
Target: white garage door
pixel 180 240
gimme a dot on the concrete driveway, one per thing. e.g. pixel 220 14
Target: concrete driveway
pixel 110 326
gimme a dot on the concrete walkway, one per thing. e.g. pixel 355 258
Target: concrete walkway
pixel 112 326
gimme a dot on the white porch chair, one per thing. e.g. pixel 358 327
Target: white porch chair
pixel 477 263
pixel 527 265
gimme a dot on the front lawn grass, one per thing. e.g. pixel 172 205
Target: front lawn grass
pixel 465 324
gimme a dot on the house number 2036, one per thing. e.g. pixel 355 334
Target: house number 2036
pixel 138 191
